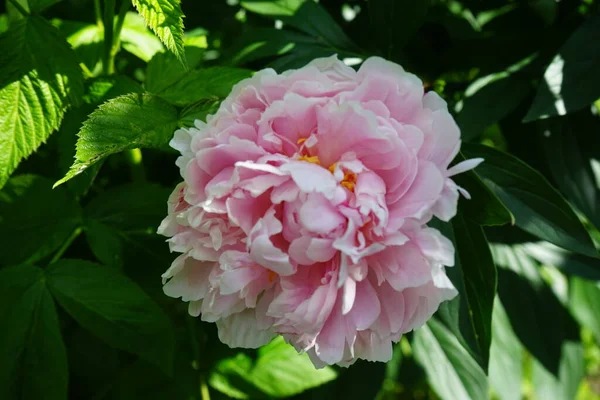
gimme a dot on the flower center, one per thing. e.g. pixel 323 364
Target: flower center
pixel 349 180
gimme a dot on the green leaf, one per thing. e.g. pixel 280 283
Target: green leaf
pixel 484 207
pixel 199 110
pixel 584 297
pixel 570 263
pixel 538 208
pixel 469 316
pixel 164 70
pixel 395 22
pixel 571 81
pixel 165 18
pixel 119 219
pixel 39 78
pixel 36 230
pixel 40 5
pixel 203 84
pixel 115 309
pixel 86 39
pixel 506 357
pixel 125 122
pixel 279 371
pixel 536 315
pixel 569 164
pixel 137 39
pixel 274 8
pixel 451 371
pixel 571 373
pixel 33 363
pixel 488 100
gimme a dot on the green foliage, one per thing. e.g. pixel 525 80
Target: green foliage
pixel 81 301
pixel 105 302
pixel 36 231
pixel 278 371
pixel 453 373
pixel 39 79
pixel 165 18
pixel 34 362
pixel 125 122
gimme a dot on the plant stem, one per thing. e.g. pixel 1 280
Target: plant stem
pixel 98 13
pixel 66 244
pixel 204 392
pixel 119 26
pixel 108 61
pixel 19 7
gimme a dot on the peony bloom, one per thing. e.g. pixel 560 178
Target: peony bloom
pixel 304 206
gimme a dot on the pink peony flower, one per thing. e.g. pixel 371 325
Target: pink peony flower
pixel 304 210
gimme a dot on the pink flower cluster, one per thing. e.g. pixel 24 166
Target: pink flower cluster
pixel 304 206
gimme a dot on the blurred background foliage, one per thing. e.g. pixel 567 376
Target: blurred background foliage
pixel 83 314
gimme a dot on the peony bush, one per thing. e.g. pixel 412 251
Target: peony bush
pixel 299 199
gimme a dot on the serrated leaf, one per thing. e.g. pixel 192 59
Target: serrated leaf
pixel 114 308
pixel 199 110
pixel 137 39
pixel 33 363
pixel 538 208
pixel 279 371
pixel 451 371
pixel 165 18
pixel 125 122
pixel 36 230
pixel 571 81
pixel 164 70
pixel 203 84
pixel 39 78
pixel 469 316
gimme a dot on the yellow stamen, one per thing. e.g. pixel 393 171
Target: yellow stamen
pixel 332 168
pixel 301 140
pixel 310 159
pixel 272 276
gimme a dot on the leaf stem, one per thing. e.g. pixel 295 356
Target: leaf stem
pixel 119 26
pixel 76 232
pixel 98 13
pixel 204 392
pixel 19 7
pixel 108 61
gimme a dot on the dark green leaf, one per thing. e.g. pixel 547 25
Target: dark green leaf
pixel 165 18
pixel 538 208
pixel 484 207
pixel 279 371
pixel 39 78
pixel 203 84
pixel 487 101
pixel 584 298
pixel 394 22
pixel 164 70
pixel 115 309
pixel 39 5
pixel 506 357
pixel 33 364
pixel 38 218
pixel 125 122
pixel 538 318
pixel 570 166
pixel 119 220
pixel 452 372
pixel 571 81
pixel 273 7
pixel 469 316
pixel 86 39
